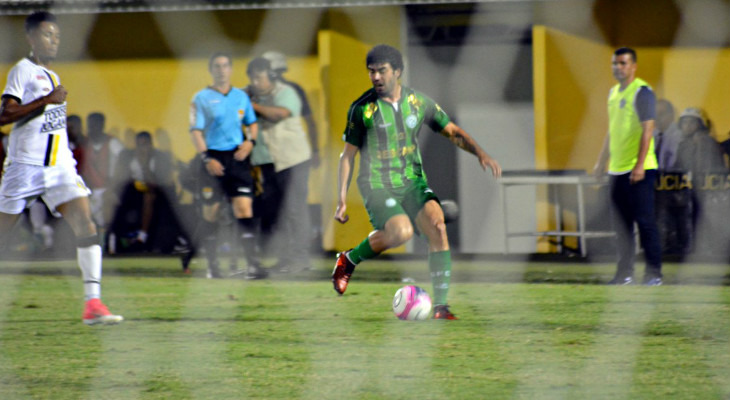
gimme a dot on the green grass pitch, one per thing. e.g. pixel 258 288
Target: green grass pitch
pixel 526 331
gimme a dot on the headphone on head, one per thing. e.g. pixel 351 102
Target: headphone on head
pixel 271 73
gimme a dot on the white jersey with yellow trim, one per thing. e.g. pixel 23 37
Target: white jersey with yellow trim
pixel 40 138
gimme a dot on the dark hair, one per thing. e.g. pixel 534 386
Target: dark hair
pixel 73 117
pixel 219 54
pixel 144 135
pixel 33 21
pixel 670 106
pixel 382 54
pixel 626 50
pixel 257 65
pixel 97 117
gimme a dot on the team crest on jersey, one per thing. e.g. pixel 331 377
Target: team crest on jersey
pixel 240 113
pixel 411 121
pixel 41 77
pixel 622 103
pixel 207 192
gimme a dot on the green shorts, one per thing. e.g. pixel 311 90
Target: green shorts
pixel 383 204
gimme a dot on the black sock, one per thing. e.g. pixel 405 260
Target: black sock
pixel 247 231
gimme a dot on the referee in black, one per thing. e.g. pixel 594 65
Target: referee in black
pixel 223 128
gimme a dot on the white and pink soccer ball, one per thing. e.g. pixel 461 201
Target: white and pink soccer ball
pixel 412 303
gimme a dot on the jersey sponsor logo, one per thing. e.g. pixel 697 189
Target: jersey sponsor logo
pixel 411 121
pixel 81 184
pixel 393 153
pixel 386 154
pixel 414 101
pixel 243 189
pixel 372 107
pixel 54 119
pixel 384 125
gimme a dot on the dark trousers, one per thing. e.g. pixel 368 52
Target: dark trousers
pixel 674 217
pixel 294 222
pixel 634 203
pixel 266 205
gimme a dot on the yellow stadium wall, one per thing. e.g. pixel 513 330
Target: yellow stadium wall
pixel 572 76
pixel 148 92
pixel 699 78
pixel 155 95
pixel 342 51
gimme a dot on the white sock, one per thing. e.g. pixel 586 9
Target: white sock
pixel 89 259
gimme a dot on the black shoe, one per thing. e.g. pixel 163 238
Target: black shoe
pixel 653 281
pixel 185 259
pixel 621 280
pixel 256 272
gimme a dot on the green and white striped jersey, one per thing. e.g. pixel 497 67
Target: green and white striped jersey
pixel 387 136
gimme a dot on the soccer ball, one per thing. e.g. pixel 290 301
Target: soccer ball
pixel 411 303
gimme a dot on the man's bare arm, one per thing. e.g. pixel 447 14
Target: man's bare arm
pixel 460 138
pixel 12 111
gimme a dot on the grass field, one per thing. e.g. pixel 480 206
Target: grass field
pixel 526 331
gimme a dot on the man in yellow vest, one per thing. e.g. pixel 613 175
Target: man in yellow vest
pixel 629 146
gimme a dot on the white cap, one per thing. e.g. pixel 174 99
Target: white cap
pixel 277 60
pixel 696 112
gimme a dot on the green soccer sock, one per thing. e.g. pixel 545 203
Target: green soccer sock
pixel 361 252
pixel 439 262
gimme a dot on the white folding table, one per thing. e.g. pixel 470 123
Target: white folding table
pixel 552 179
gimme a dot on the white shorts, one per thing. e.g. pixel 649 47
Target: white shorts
pixel 22 184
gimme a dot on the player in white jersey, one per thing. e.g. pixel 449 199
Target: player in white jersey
pixel 39 162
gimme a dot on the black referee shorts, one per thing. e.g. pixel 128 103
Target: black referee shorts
pixel 236 180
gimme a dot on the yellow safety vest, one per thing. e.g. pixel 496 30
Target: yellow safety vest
pixel 625 131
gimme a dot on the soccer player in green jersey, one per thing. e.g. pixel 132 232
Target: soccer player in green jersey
pixel 383 125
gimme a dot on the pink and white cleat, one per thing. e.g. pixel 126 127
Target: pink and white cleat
pixel 97 313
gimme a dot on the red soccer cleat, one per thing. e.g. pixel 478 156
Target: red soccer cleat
pixel 442 312
pixel 342 272
pixel 97 313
